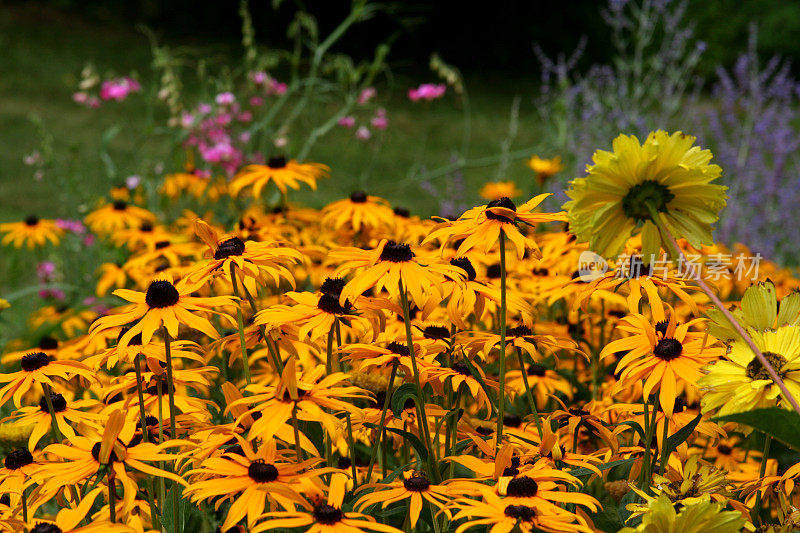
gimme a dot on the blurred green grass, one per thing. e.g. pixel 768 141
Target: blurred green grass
pixel 45 50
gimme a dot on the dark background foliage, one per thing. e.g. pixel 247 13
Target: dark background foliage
pixel 482 38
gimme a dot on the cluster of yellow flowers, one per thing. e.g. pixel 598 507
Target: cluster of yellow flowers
pixel 357 368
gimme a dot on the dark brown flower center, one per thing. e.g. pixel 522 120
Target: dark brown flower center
pixel 536 370
pixel 332 286
pixel 577 411
pixel 505 202
pixel 398 348
pixel 229 247
pixel 34 361
pixel 522 487
pixel 396 253
pixel 277 162
pixel 330 304
pixel 120 205
pixel 523 513
pixel 493 271
pixel 48 343
pixel 668 349
pixel 465 264
pixel 58 401
pixel 112 458
pixel 755 370
pixel 262 472
pixel 438 333
pixel 462 368
pixel 46 528
pixel 31 220
pixel 18 458
pixel 161 294
pixel 724 449
pixel 136 340
pixel 160 245
pixel 417 483
pixel 402 212
pixel 146 227
pixel 484 430
pixel 512 420
pixel 662 326
pixel 519 331
pixel 327 514
pixel 358 197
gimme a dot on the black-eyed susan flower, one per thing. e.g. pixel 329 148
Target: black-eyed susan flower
pixel 118 215
pixel 16 474
pixel 499 189
pixel 38 368
pixel 544 168
pixel 480 227
pixel 253 260
pixel 543 383
pixel 414 487
pixel 666 176
pixel 740 382
pixel 392 265
pixel 360 212
pixel 323 515
pixel 460 375
pixel 285 174
pixel 74 411
pixel 163 303
pixel 32 232
pixel 502 516
pixel 664 354
pixel 247 478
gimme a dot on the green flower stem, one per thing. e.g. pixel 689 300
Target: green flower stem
pixel 352 445
pixel 173 413
pixel 112 494
pixel 146 438
pixel 534 410
pixel 328 371
pixel 422 418
pixel 53 419
pixel 650 429
pixel 664 437
pixel 381 433
pixel 501 395
pixel 676 252
pixel 297 448
pixel 240 323
pixel 756 513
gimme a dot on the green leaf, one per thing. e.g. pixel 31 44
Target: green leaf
pixel 420 448
pixel 607 519
pixel 624 514
pixel 680 436
pixel 636 426
pixel 400 395
pixel 781 424
pixel 578 472
pixel 168 515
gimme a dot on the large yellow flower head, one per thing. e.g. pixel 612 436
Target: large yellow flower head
pixel 666 176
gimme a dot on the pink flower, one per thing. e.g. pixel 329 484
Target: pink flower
pixel 427 91
pixel 88 240
pixel 363 133
pixel 187 120
pixel 119 88
pixel 80 97
pixel 75 226
pixel 204 109
pixel 131 182
pixel 366 95
pixel 244 137
pixel 347 122
pixel 94 103
pixel 226 98
pixel 256 101
pixel 259 78
pixel 247 116
pixel 45 270
pixel 56 294
pixel 276 87
pixel 379 121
